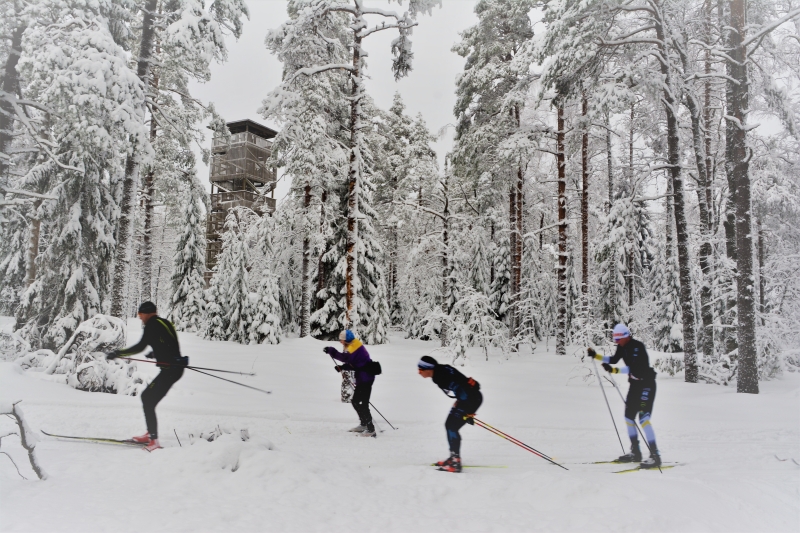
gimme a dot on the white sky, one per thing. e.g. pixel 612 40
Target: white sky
pixel 238 86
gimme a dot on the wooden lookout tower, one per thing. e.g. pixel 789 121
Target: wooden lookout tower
pixel 239 177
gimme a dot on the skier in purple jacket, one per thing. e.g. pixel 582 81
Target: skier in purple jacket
pixel 355 357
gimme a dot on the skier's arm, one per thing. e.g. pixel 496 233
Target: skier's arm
pixel 344 357
pixel 616 370
pixel 139 347
pixel 601 358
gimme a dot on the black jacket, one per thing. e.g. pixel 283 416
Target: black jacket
pixel 160 335
pixel 636 359
pixel 451 380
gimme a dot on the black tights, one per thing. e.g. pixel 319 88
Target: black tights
pixel 360 403
pixel 155 392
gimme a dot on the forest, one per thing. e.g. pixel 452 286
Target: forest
pixel 633 161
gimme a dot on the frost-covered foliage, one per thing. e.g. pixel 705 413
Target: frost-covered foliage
pixel 74 67
pixel 188 303
pixel 81 361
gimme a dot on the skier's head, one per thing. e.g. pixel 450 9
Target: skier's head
pixel 346 337
pixel 621 334
pixel 426 365
pixel 146 310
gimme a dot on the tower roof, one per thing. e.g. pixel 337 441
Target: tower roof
pixel 240 126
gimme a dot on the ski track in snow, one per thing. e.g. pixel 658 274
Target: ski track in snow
pixel 302 471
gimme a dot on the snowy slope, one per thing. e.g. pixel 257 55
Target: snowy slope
pixel 302 471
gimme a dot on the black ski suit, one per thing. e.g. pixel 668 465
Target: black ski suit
pixel 160 335
pixel 468 397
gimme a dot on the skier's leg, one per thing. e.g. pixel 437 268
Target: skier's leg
pixel 455 421
pixel 361 404
pixel 154 393
pixel 631 409
pixel 647 397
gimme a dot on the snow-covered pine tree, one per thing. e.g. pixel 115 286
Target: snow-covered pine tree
pixel 188 302
pixel 177 42
pixel 238 294
pixel 265 308
pixel 310 146
pixel 357 13
pixel 75 69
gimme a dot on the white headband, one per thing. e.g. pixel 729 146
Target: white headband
pixel 425 365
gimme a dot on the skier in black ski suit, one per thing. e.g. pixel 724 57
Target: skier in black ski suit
pixel 161 336
pixel 641 392
pixel 467 393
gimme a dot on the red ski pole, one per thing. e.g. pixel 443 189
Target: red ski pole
pixel 516 441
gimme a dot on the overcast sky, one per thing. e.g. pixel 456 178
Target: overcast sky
pixel 238 86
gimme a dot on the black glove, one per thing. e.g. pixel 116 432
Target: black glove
pixel 327 349
pixel 608 368
pixel 110 356
pixel 338 368
pixel 591 353
pixel 469 419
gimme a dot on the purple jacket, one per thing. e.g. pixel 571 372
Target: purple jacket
pixel 354 357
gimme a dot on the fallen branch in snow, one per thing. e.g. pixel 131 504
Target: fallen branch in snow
pixel 26 436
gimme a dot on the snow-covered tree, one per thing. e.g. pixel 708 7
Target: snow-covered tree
pixel 188 302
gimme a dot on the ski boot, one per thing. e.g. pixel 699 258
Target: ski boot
pixel 451 464
pixel 152 446
pixel 142 439
pixel 654 461
pixel 358 429
pixel 369 432
pixel 634 456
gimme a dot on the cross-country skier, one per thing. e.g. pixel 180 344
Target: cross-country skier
pixel 161 336
pixel 641 392
pixel 355 357
pixel 467 393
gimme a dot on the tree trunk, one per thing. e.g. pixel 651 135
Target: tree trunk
pixel 681 233
pixel 762 300
pixel 610 165
pixel 561 334
pixel 738 103
pixel 33 245
pixel 351 283
pixel 321 273
pixel 305 297
pixel 447 305
pixel 122 254
pixel 585 208
pixel 10 80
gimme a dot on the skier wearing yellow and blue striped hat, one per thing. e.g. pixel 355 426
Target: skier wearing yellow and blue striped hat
pixel 355 357
pixel 641 392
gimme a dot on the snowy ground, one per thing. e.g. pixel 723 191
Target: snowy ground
pixel 302 471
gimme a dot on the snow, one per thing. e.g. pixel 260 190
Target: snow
pixel 300 470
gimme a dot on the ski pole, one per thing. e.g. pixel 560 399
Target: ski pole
pixel 614 383
pixel 515 441
pixel 492 428
pixel 230 381
pixel 370 403
pixel 599 382
pixel 191 367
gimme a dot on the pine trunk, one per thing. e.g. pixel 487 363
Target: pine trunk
pixel 10 81
pixel 305 297
pixel 738 93
pixel 585 208
pixel 561 334
pixel 446 274
pixel 609 165
pixel 122 254
pixel 33 245
pixel 681 232
pixel 351 283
